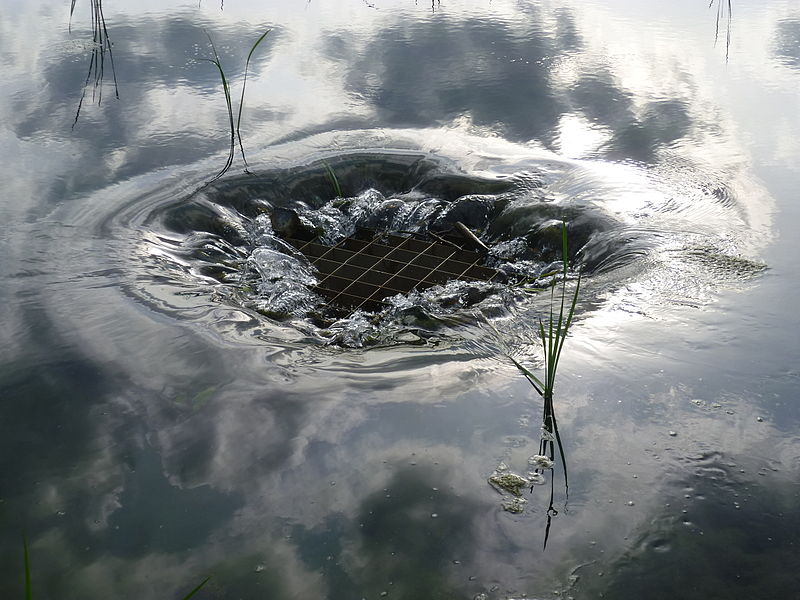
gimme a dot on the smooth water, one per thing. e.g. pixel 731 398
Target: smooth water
pixel 176 403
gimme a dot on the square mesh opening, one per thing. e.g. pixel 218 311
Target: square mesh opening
pixel 363 270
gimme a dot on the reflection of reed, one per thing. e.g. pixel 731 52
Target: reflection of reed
pixel 723 11
pixel 101 44
pixel 551 437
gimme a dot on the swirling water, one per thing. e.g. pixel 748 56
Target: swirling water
pixel 177 403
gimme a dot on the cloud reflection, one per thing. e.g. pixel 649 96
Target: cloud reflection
pixel 287 475
pixel 679 556
pixel 787 42
pixel 170 99
pixel 441 71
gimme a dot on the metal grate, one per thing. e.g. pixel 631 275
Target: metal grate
pixel 362 270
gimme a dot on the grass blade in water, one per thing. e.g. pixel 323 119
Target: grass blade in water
pixel 334 180
pixel 27 563
pixel 196 589
pixel 552 336
pixel 241 101
pixel 226 89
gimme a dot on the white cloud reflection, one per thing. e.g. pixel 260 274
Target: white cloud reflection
pixel 296 449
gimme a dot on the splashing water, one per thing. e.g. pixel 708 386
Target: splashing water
pixel 629 232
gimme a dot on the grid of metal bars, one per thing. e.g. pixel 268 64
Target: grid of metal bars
pixel 362 270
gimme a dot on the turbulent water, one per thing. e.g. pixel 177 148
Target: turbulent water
pixel 630 230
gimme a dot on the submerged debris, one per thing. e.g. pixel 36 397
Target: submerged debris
pixel 509 482
pixel 514 505
pixel 536 478
pixel 539 461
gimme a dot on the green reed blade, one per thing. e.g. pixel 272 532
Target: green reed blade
pixel 565 263
pixel 571 312
pixel 334 180
pixel 226 89
pixel 557 340
pixel 241 101
pixel 573 303
pixel 552 336
pixel 229 160
pixel 534 380
pixel 27 564
pixel 543 337
pixel 196 589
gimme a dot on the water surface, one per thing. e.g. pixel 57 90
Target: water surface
pixel 169 412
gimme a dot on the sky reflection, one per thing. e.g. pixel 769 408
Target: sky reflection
pixel 145 444
pixel 787 42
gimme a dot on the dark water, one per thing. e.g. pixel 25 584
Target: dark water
pixel 174 406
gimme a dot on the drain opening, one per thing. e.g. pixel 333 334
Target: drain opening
pixel 364 269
